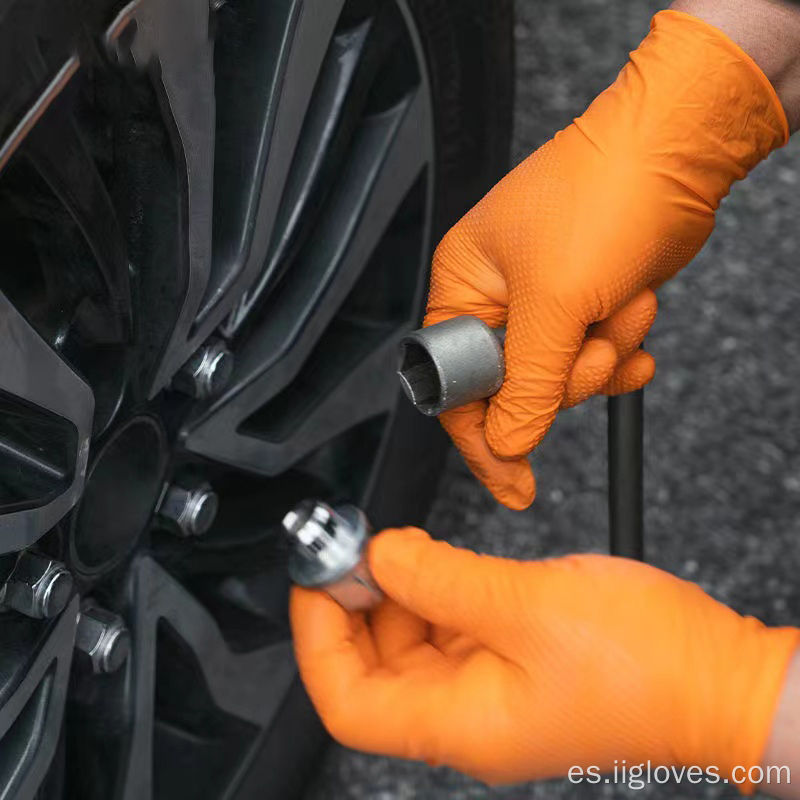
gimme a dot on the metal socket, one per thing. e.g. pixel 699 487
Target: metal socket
pixel 450 364
pixel 103 639
pixel 39 587
pixel 328 551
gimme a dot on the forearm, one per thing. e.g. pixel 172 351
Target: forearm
pixel 783 748
pixel 769 31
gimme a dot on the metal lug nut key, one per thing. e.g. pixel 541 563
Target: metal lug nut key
pixel 328 552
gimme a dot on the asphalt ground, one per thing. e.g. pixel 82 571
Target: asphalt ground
pixel 723 428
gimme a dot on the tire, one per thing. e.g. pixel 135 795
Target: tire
pixel 217 224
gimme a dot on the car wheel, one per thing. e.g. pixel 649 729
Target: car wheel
pixel 217 221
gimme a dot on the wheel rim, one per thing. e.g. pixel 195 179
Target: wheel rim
pixel 320 200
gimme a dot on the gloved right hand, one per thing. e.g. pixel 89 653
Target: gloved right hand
pixel 567 249
pixel 513 671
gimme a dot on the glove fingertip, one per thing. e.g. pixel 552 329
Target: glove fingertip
pixel 394 553
pixel 592 370
pixel 633 374
pixel 518 492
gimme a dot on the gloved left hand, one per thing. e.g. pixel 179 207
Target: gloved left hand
pixel 514 671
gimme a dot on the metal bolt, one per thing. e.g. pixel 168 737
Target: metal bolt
pixel 103 639
pixel 207 372
pixel 189 511
pixel 39 587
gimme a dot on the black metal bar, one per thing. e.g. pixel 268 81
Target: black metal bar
pixel 625 474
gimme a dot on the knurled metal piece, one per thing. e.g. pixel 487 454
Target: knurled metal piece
pixel 207 372
pixel 39 587
pixel 328 551
pixel 103 639
pixel 189 511
pixel 450 364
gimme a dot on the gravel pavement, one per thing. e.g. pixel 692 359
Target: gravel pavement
pixel 723 428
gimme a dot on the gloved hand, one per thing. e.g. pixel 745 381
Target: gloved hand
pixel 569 247
pixel 513 671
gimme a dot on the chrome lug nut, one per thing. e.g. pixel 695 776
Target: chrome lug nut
pixel 102 639
pixel 207 372
pixel 189 511
pixel 39 587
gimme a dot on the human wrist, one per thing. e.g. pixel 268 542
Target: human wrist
pixel 783 746
pixel 769 31
pixel 732 702
pixel 691 109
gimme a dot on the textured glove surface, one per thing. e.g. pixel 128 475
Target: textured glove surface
pixel 568 248
pixel 513 671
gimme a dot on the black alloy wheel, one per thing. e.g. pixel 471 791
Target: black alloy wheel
pixel 217 221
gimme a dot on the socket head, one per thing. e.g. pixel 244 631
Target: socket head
pixel 450 364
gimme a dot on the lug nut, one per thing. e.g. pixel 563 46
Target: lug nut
pixel 103 639
pixel 39 587
pixel 207 372
pixel 189 511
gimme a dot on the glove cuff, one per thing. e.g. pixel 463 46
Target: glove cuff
pixel 759 693
pixel 734 696
pixel 692 107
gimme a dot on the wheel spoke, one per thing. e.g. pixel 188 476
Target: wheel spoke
pixel 336 107
pixel 32 72
pixel 248 686
pixel 303 41
pixel 389 154
pixel 313 147
pixel 175 35
pixel 32 697
pixel 366 391
pixel 45 426
pixel 388 157
pixel 60 156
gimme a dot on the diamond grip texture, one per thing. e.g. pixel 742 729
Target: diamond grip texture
pixel 567 249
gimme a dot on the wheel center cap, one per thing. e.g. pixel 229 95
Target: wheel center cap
pixel 122 489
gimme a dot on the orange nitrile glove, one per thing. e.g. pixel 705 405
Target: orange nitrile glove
pixel 513 671
pixel 584 230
